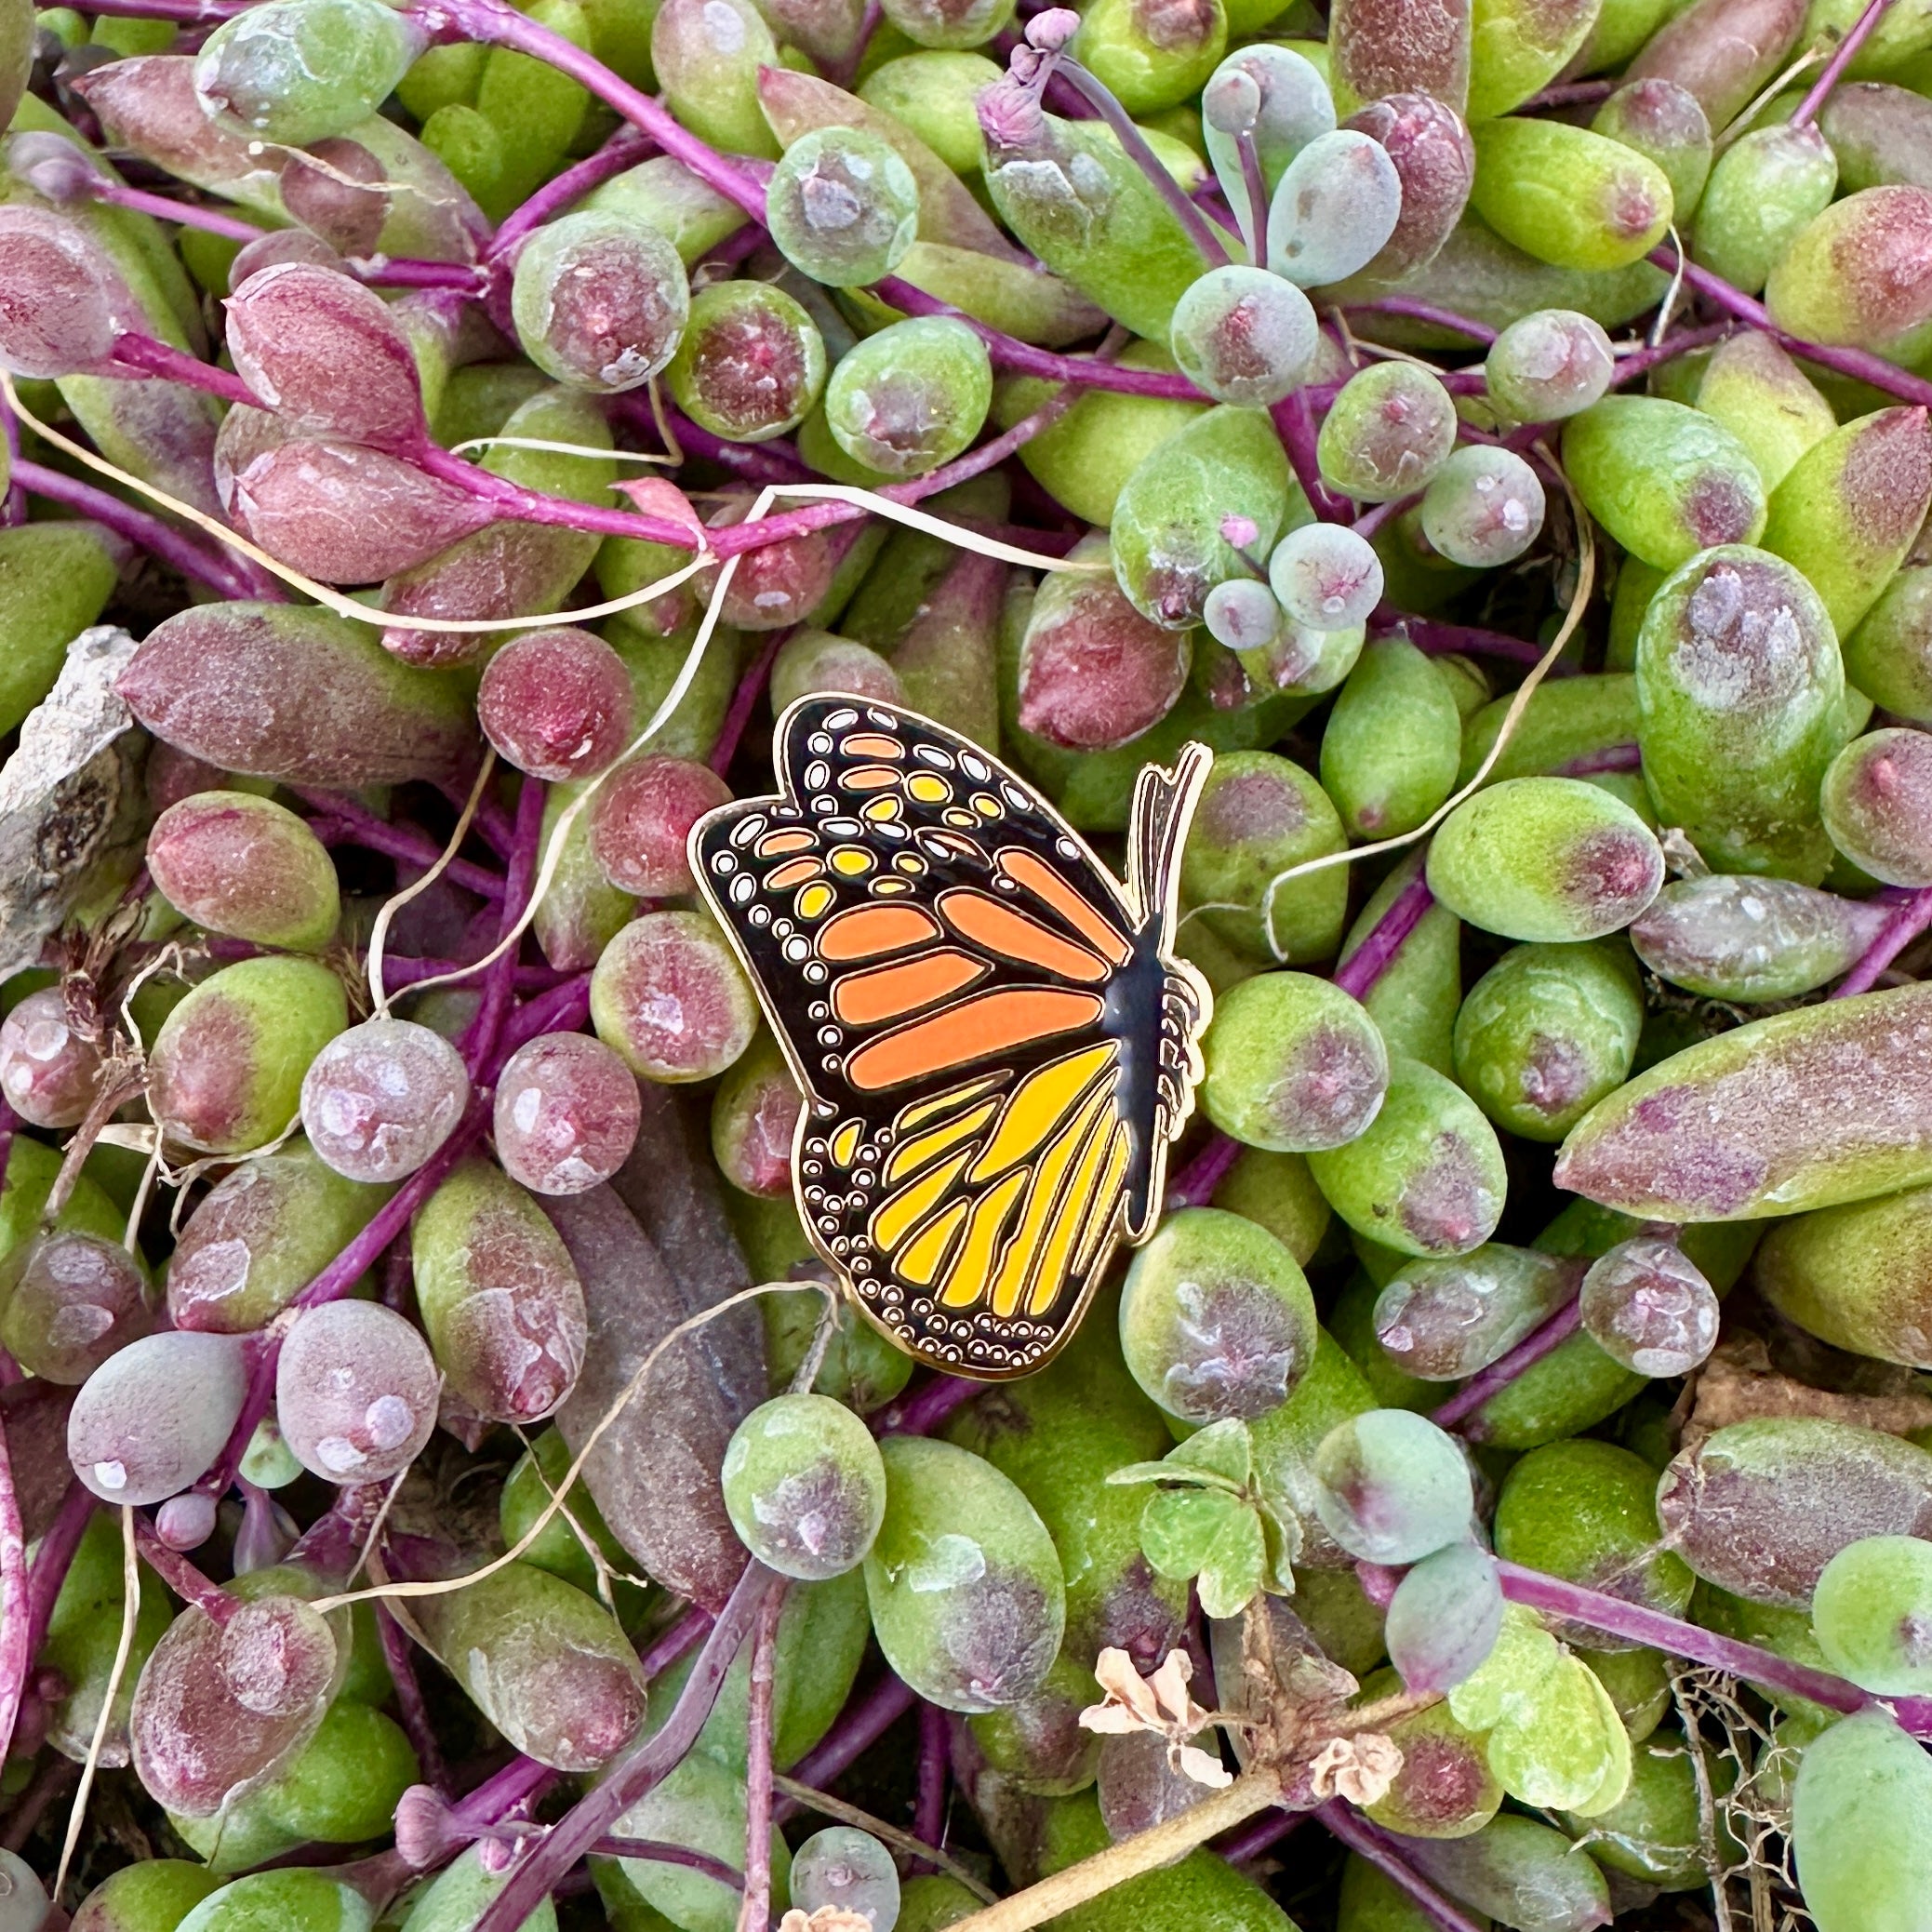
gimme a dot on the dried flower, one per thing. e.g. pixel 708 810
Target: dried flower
pixel 1160 1704
pixel 1360 1768
pixel 828 1918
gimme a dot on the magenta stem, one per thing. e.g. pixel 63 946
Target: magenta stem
pixel 1640 362
pixel 861 1725
pixel 752 462
pixel 624 150
pixel 500 979
pixel 398 1653
pixel 1504 1370
pixel 397 841
pixel 399 272
pixel 519 1784
pixel 680 1640
pixel 501 25
pixel 1194 1185
pixel 1023 358
pixel 1422 311
pixel 1255 182
pixel 53 1556
pixel 15 1609
pixel 1368 1842
pixel 1663 1632
pixel 1134 145
pixel 398 973
pixel 173 547
pixel 1260 1835
pixel 660 1853
pixel 189 214
pixel 1859 363
pixel 1429 634
pixel 929 1806
pixel 744 700
pixel 640 1770
pixel 148 357
pixel 189 13
pixel 1376 953
pixel 1572 94
pixel 180 1574
pixel 929 1404
pixel 1295 424
pixel 13 498
pixel 1911 917
pixel 563 1009
pixel 1834 68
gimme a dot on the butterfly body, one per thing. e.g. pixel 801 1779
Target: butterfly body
pixel 994 1043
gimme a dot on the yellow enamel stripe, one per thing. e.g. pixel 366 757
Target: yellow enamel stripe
pixel 908 1156
pixel 1100 1217
pixel 897 1217
pixel 1050 1276
pixel 1016 1265
pixel 921 1112
pixel 919 1260
pixel 1040 1101
pixel 844 1142
pixel 966 1280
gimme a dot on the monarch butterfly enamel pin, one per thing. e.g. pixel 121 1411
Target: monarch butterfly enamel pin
pixel 995 1045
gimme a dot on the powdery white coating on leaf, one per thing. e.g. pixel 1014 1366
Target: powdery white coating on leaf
pixel 355 1391
pixel 152 1418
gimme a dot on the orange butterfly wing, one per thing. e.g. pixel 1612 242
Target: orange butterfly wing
pixel 994 1049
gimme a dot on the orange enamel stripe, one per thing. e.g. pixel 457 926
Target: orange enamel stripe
pixel 885 993
pixel 774 845
pixel 1043 1198
pixel 794 873
pixel 908 1156
pixel 1045 883
pixel 1015 934
pixel 1100 1217
pixel 870 744
pixel 1038 1105
pixel 966 1280
pixel 1079 1202
pixel 980 1027
pixel 869 778
pixel 923 1256
pixel 897 1216
pixel 867 931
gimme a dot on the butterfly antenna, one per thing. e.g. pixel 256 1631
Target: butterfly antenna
pixel 1157 827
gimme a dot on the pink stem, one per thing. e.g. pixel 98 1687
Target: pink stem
pixel 174 548
pixel 1913 916
pixel 518 1785
pixel 753 462
pixel 181 1576
pixel 624 150
pixel 1422 311
pixel 1674 1635
pixel 16 1608
pixel 680 1640
pixel 1861 363
pixel 191 13
pixel 384 272
pixel 13 498
pixel 54 1556
pixel 1573 94
pixel 1368 1842
pixel 861 1725
pixel 1504 1370
pixel 1255 182
pixel 756 1911
pixel 189 214
pixel 659 1853
pixel 744 700
pixel 640 1770
pixel 1376 953
pixel 1260 1835
pixel 414 1712
pixel 501 25
pixel 1640 362
pixel 1834 68
pixel 1134 145
pixel 1194 1185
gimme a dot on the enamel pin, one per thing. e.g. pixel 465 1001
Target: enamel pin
pixel 995 1043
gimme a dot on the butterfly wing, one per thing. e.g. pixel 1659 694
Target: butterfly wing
pixel 980 1017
